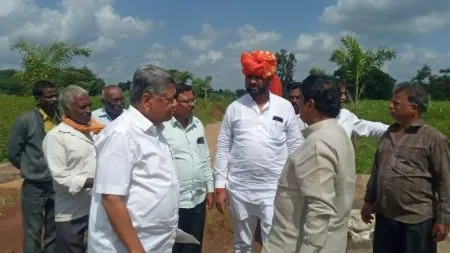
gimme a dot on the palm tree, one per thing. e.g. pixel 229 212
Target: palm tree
pixel 355 63
pixel 45 61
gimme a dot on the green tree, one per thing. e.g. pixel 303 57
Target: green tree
pixel 355 63
pixel 240 92
pixel 45 61
pixel 181 76
pixel 83 77
pixel 285 67
pixel 10 85
pixel 423 75
pixel 317 71
pixel 125 86
pixel 202 87
pixel 379 85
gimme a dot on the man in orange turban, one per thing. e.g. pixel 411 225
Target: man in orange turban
pixel 258 132
pixel 262 64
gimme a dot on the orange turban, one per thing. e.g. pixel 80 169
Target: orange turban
pixel 264 64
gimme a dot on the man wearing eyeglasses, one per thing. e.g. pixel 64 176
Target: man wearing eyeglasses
pixel 186 137
pixel 113 102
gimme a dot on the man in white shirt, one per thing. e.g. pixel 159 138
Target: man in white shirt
pixel 186 137
pixel 315 191
pixel 351 123
pixel 135 201
pixel 113 101
pixel 258 132
pixel 70 155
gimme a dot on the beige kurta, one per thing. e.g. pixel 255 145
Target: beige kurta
pixel 315 194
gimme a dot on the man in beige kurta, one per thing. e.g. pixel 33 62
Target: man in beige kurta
pixel 315 190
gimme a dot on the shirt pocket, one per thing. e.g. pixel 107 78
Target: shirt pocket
pixel 412 160
pixel 276 131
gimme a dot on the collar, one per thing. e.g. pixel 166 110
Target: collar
pixel 255 105
pixel 411 126
pixel 103 112
pixel 44 115
pixel 142 122
pixel 318 125
pixel 176 123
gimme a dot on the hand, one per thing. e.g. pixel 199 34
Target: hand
pixel 367 213
pixel 210 200
pixel 440 232
pixel 221 199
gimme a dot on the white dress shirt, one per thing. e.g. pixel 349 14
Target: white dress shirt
pixel 352 124
pixel 70 156
pixel 252 148
pixel 134 161
pixel 192 161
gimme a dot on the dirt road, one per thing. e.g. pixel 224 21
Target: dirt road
pixel 218 234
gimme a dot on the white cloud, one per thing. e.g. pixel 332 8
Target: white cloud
pixel 176 53
pixel 205 39
pixel 320 41
pixel 196 44
pixel 396 18
pixel 87 22
pixel 210 57
pixel 250 38
pixel 101 44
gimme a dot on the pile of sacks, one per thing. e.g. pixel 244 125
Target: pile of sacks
pixel 360 234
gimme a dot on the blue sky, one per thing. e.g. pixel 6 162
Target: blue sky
pixel 207 37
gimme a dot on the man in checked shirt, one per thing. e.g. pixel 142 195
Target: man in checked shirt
pixel 409 187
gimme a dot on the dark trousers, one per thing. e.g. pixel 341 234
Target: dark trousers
pixel 191 221
pixel 257 235
pixel 392 236
pixel 71 235
pixel 38 217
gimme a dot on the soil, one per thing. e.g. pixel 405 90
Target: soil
pixel 218 232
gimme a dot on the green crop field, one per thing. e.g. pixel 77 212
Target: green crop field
pixel 438 116
pixel 13 106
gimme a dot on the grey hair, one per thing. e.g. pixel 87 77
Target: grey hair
pixel 67 95
pixel 416 94
pixel 149 78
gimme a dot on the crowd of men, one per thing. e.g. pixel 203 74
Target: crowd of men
pixel 128 180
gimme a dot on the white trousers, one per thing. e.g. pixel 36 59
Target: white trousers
pixel 243 234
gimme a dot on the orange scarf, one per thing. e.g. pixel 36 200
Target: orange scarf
pixel 95 127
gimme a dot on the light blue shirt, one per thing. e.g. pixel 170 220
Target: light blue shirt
pixel 102 116
pixel 192 160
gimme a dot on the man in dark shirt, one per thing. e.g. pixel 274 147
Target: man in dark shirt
pixel 25 153
pixel 409 187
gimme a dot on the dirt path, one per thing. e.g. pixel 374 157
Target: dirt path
pixel 218 234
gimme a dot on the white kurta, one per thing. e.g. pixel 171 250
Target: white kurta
pixel 353 125
pixel 70 155
pixel 134 161
pixel 252 148
pixel 315 194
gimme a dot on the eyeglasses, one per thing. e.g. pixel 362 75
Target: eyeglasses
pixel 188 102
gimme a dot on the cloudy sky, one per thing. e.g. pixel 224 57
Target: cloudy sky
pixel 207 37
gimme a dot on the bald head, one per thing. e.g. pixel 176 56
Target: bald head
pixel 111 91
pixel 113 100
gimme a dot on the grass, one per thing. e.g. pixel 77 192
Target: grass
pixel 212 110
pixel 377 110
pixel 12 107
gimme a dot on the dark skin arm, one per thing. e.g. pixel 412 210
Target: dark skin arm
pixel 120 220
